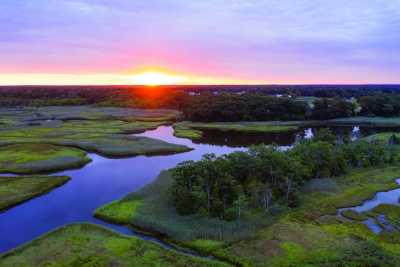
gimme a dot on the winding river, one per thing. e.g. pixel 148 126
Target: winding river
pixel 98 183
pixel 105 180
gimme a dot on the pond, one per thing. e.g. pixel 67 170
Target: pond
pixel 105 180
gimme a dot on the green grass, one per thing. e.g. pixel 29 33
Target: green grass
pixel 353 215
pixel 193 130
pixel 391 212
pixel 88 245
pixel 310 235
pixel 120 212
pixel 367 121
pixel 183 130
pixel 39 158
pixel 382 137
pixel 151 210
pixel 89 113
pixel 100 130
pixel 15 190
pixel 355 187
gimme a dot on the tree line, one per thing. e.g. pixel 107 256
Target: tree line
pixel 239 183
pixel 223 103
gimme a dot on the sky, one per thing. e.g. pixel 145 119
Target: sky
pixel 199 42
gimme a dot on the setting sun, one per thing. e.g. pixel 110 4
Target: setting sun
pixel 154 78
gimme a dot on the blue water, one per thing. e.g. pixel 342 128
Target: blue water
pixel 100 182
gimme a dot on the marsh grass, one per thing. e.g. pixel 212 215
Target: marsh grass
pixel 305 236
pixel 193 130
pixel 151 210
pixel 104 131
pixel 40 158
pixel 15 190
pixel 92 245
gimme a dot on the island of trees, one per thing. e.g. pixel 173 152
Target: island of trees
pixel 263 177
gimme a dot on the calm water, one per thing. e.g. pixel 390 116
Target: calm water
pixel 105 180
pixel 100 182
pixel 238 139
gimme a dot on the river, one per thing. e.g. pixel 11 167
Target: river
pixel 105 180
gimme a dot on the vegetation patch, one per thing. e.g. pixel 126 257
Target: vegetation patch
pixel 355 187
pixel 120 212
pixel 39 158
pixel 183 130
pixel 301 238
pixel 390 211
pixel 103 130
pixel 193 130
pixel 275 220
pixel 367 121
pixel 354 215
pixel 15 190
pixel 153 212
pixel 92 245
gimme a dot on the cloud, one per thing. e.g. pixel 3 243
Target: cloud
pixel 250 38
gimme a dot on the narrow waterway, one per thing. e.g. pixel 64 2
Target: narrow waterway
pixel 105 180
pixel 379 224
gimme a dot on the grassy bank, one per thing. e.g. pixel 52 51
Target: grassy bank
pixel 151 210
pixel 39 158
pixel 193 130
pixel 15 190
pixel 91 245
pixel 310 235
pixel 367 121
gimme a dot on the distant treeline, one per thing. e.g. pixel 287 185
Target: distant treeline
pixel 240 183
pixel 222 103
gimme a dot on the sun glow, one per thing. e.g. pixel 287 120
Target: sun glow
pixel 154 78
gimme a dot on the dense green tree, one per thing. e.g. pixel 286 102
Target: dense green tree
pixel 231 186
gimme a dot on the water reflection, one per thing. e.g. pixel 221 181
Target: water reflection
pixel 242 139
pixel 101 181
pixel 105 180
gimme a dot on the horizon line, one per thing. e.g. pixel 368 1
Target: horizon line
pixel 183 85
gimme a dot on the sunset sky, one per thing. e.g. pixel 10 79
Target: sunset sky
pixel 199 42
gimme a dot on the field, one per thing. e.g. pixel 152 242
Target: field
pixel 310 235
pixel 15 190
pixel 90 245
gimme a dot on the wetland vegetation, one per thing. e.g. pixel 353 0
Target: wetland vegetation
pixel 40 158
pixel 91 245
pixel 283 203
pixel 15 190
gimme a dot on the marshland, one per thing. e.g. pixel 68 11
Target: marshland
pixel 152 183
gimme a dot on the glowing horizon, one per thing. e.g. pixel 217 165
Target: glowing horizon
pixel 147 78
pixel 94 42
